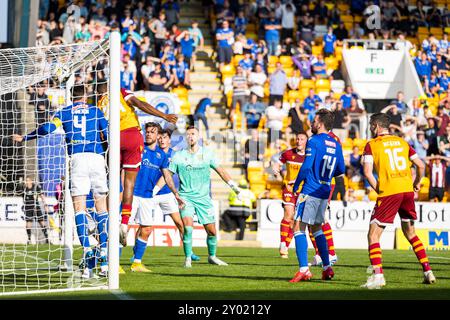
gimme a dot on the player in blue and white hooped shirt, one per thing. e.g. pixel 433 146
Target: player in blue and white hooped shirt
pixel 155 164
pixel 86 131
pixel 323 161
pixel 163 197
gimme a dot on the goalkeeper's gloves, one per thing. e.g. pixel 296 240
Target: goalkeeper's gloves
pixel 156 190
pixel 233 185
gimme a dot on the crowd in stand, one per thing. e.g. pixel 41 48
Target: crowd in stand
pixel 280 63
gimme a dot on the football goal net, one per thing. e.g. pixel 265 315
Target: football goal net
pixel 46 243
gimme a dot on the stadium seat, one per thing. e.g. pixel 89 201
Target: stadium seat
pixel 423 30
pixel 228 69
pixel 294 94
pixel 316 50
pixel 338 52
pixel 323 85
pixel 181 92
pixel 307 83
pixel 237 58
pixel 251 35
pixel 358 18
pixel 360 143
pixel 347 18
pixel 251 27
pixel 305 91
pixel 338 86
pixel 257 188
pixel 332 63
pixel 185 108
pixel 273 60
pixel 343 7
pixel 286 61
pixel 271 70
pixel 289 72
pixel 255 174
pixel 437 32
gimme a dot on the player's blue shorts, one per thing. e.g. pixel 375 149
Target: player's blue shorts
pixel 310 210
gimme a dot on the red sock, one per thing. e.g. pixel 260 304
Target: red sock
pixel 375 258
pixel 126 213
pixel 285 227
pixel 313 241
pixel 326 228
pixel 421 255
pixel 289 237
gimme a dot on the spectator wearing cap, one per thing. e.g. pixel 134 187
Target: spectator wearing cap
pixel 278 82
pixel 225 38
pixel 347 97
pixel 253 110
pixel 256 81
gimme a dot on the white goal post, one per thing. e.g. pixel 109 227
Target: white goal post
pixel 40 251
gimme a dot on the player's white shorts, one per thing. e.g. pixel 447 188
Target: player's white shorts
pixel 310 210
pixel 143 211
pixel 88 172
pixel 167 202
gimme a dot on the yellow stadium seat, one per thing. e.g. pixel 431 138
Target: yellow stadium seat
pixel 343 7
pixel 347 18
pixel 255 173
pixel 289 72
pixel 358 18
pixel 332 63
pixel 316 50
pixel 251 35
pixel 357 48
pixel 307 83
pixel 348 142
pixel 228 69
pixel 348 25
pixel 323 84
pixel 237 58
pixel 185 107
pixel 181 92
pixel 447 30
pixel 305 91
pixel 286 61
pixel 273 60
pixel 423 30
pixel 251 27
pixel 258 188
pixel 338 53
pixel 360 143
pixel 294 94
pixel 437 32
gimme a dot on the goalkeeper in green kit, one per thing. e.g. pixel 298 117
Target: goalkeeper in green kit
pixel 193 166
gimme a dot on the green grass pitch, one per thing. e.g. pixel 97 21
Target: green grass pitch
pixel 260 274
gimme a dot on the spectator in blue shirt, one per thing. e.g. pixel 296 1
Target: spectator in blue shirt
pixel 347 97
pixel 187 47
pixel 310 101
pixel 272 36
pixel 423 66
pixel 135 36
pixel 329 41
pixel 130 47
pixel 225 37
pixel 253 111
pixel 402 107
pixel 439 64
pixel 200 112
pixel 181 72
pixel 443 81
pixel 443 44
pixel 240 23
pixel 126 78
pixel 247 63
pixel 320 68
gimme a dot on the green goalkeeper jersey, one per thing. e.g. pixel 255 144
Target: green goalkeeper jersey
pixel 194 172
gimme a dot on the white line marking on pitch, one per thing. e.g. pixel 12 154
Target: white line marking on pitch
pixel 122 295
pixel 439 258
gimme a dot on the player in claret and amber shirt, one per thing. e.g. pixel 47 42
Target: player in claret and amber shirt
pixel 131 145
pixel 293 159
pixel 391 157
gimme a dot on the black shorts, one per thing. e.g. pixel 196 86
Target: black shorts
pixel 224 54
pixel 436 193
pixel 33 213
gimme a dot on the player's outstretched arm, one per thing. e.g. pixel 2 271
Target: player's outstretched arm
pixel 167 174
pixel 227 178
pixel 147 108
pixel 43 130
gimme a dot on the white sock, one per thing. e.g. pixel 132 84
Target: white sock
pixel 304 269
